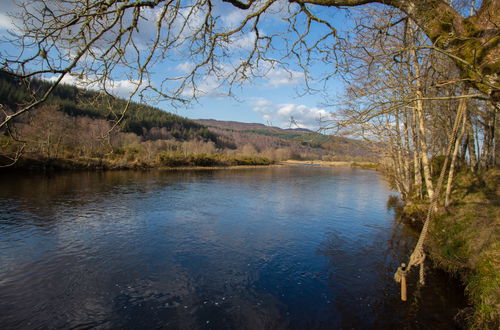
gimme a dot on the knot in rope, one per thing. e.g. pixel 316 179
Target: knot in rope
pixel 402 270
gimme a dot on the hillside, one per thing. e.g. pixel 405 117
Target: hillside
pixel 87 127
pixel 141 119
pixel 301 135
pixel 303 141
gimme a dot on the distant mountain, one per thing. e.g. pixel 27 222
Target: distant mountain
pixel 302 140
pixel 240 126
pixel 234 125
pixel 300 135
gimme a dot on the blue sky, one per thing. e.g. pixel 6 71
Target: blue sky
pixel 274 99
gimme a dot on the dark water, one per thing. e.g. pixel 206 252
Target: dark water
pixel 274 248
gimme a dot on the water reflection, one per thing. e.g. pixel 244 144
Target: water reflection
pixel 252 249
pixel 362 280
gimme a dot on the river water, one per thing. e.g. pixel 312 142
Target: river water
pixel 270 248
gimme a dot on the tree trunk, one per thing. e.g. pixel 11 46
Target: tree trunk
pixel 407 153
pixel 395 156
pixel 401 158
pixel 419 110
pixel 424 149
pixel 488 152
pixel 497 138
pixel 460 118
pixel 471 142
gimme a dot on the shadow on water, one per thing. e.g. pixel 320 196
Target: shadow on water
pixel 364 283
pixel 271 248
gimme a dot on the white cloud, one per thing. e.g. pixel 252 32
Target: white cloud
pixel 8 8
pixel 291 115
pixel 6 22
pixel 261 102
pixel 187 22
pixel 245 42
pixel 281 77
pixel 185 67
pixel 122 88
pixel 119 88
pixel 215 84
pixel 234 18
pixel 209 86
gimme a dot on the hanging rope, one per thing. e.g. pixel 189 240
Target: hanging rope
pixel 417 258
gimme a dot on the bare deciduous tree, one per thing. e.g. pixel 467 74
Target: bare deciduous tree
pixel 409 99
pixel 98 41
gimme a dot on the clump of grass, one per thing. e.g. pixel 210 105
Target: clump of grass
pixel 415 211
pixel 248 160
pixel 484 289
pixel 366 165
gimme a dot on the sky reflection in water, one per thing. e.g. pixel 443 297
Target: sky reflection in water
pixel 249 249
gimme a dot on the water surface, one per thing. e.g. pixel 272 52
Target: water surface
pixel 271 248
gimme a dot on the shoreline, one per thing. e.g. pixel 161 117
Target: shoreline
pixel 325 163
pixel 201 168
pixel 92 164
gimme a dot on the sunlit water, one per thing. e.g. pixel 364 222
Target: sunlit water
pixel 273 248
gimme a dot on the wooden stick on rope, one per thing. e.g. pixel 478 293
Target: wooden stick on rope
pixel 403 282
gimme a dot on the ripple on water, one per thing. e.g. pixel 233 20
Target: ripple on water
pixel 263 248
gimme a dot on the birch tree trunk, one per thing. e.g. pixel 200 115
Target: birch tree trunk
pixel 419 110
pixel 488 152
pixel 461 118
pixel 471 141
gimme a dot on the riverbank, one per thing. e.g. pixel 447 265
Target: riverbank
pixel 169 161
pixel 324 163
pixel 164 162
pixel 465 240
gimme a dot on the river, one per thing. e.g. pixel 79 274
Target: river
pixel 269 248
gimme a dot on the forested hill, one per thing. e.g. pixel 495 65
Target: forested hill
pixel 314 143
pixel 286 133
pixel 76 124
pixel 140 119
pixel 300 135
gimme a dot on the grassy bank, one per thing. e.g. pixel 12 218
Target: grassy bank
pixel 209 160
pixel 118 162
pixel 465 240
pixel 367 165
